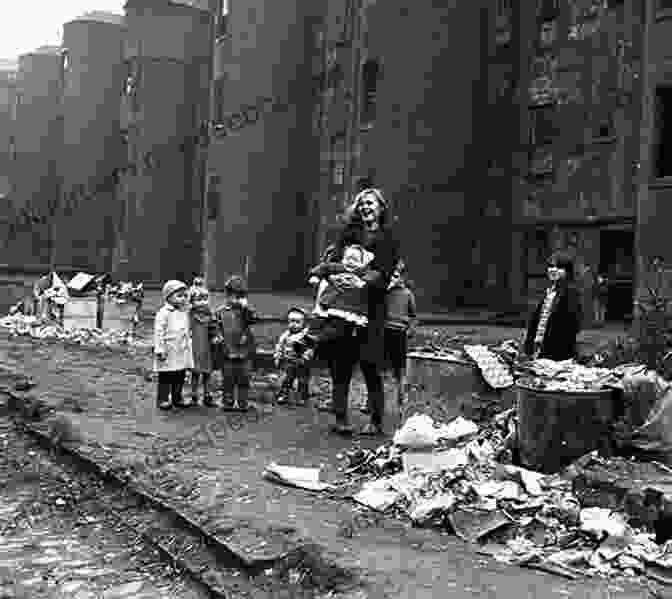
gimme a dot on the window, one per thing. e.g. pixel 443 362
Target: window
pixel 663 128
pixel 132 83
pixel 218 117
pixel 338 161
pixel 548 9
pixel 542 125
pixel 370 73
pixel 223 25
pixel 214 197
pixel 15 106
pixel 12 148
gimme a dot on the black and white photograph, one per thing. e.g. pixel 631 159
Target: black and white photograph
pixel 336 299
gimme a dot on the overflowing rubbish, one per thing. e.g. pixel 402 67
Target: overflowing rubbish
pixel 37 328
pixel 572 377
pixel 125 292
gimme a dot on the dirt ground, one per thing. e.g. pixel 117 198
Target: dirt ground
pixel 211 465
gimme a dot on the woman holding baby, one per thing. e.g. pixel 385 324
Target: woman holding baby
pixel 366 224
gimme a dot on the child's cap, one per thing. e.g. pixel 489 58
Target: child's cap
pixel 296 310
pixel 198 281
pixel 236 285
pixel 171 287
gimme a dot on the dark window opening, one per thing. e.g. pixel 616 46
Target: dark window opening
pixel 663 154
pixel 214 197
pixel 223 25
pixel 335 76
pixel 664 5
pixel 370 74
pixel 218 117
pixel 542 125
pixel 605 128
pixel 549 9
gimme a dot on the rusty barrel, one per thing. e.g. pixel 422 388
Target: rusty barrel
pixel 557 427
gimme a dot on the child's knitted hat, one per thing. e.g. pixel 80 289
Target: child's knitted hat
pixel 236 284
pixel 171 287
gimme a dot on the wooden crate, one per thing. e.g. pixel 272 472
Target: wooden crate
pixel 119 317
pixel 81 313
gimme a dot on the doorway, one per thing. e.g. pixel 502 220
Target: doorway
pixel 617 262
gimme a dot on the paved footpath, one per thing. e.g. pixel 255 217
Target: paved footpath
pixel 209 464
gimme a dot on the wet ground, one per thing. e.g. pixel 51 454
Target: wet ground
pixel 212 468
pixel 59 539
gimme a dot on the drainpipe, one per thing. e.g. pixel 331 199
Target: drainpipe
pixel 352 130
pixel 212 98
pixel 646 132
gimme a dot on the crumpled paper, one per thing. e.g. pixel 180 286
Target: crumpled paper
pixel 420 431
pixel 424 509
pixel 377 495
pixel 600 522
pixel 302 478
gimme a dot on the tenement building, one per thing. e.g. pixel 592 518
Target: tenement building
pixel 92 143
pixel 206 135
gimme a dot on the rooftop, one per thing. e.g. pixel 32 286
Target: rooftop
pixel 8 64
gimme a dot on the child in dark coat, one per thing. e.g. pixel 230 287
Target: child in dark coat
pixel 401 319
pixel 236 344
pixel 293 367
pixel 203 331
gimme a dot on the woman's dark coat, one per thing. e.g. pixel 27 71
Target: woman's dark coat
pixel 563 326
pixel 385 248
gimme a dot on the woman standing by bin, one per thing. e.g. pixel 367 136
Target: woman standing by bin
pixel 556 321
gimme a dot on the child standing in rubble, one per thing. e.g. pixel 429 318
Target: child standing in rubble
pixel 235 343
pixel 203 331
pixel 172 345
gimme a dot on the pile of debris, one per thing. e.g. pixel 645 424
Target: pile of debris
pixel 459 477
pixel 39 328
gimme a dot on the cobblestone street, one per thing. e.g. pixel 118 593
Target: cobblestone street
pixel 56 541
pixel 208 465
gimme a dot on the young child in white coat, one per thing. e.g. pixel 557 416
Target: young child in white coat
pixel 172 345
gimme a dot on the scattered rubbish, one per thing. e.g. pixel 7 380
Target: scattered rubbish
pixel 600 522
pixel 31 326
pixel 472 525
pixel 377 495
pixel 434 462
pixel 302 478
pixel 427 508
pixel 420 431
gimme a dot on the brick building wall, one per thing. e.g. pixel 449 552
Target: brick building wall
pixel 92 143
pixel 167 58
pixel 580 120
pixel 7 105
pixel 265 154
pixel 38 142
